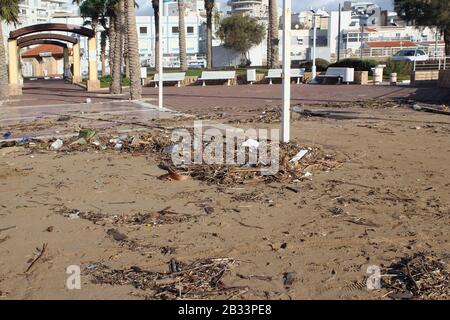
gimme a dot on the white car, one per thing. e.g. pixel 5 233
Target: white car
pixel 410 55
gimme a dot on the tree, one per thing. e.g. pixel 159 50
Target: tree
pixel 209 7
pixel 96 11
pixel 116 46
pixel 241 33
pixel 9 13
pixel 427 13
pixel 182 35
pixel 155 5
pixel 133 51
pixel 272 37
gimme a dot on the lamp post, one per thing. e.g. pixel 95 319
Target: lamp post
pixel 285 123
pixel 318 13
pixel 362 22
pixel 160 55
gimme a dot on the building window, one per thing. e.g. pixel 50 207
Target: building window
pixel 190 30
pixel 143 30
pixel 175 30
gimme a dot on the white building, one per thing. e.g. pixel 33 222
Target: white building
pixel 193 7
pixel 253 8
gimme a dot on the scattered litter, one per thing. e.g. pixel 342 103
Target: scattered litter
pixel 40 253
pixel 87 134
pixel 299 155
pixel 288 278
pixel 418 277
pixel 251 143
pixel 197 280
pixel 56 145
pixel 73 214
pixel 172 174
pixel 88 100
pixel 7 135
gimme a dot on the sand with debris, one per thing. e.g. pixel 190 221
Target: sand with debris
pixel 381 195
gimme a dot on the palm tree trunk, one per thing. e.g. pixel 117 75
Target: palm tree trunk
pixel 182 35
pixel 155 4
pixel 112 42
pixel 133 53
pixel 116 86
pixel 125 40
pixel 103 51
pixel 274 40
pixel 4 89
pixel 447 41
pixel 209 6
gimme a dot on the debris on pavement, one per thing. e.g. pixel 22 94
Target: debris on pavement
pixel 57 144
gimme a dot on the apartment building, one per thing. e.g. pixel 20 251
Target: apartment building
pixel 254 8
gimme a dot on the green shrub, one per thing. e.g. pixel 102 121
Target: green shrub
pixel 399 67
pixel 321 65
pixel 357 64
pixel 106 81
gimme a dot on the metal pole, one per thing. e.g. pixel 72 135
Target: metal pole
pixel 362 41
pixel 339 34
pixel 161 67
pixel 314 68
pixel 285 123
pixel 436 44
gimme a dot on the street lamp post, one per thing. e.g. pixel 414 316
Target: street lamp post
pixel 314 68
pixel 160 55
pixel 362 21
pixel 285 123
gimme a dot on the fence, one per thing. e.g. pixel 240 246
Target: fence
pixel 432 64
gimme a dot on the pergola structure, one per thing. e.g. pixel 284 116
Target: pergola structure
pixel 39 34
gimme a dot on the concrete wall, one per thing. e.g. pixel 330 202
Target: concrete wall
pixel 424 78
pixel 444 79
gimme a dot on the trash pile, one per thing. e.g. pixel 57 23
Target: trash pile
pixel 164 216
pixel 295 164
pixel 418 277
pixel 197 280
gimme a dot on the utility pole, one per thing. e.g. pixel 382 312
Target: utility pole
pixel 161 67
pixel 339 34
pixel 285 123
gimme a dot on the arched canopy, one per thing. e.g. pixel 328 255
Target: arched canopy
pixel 47 36
pixel 42 41
pixel 51 27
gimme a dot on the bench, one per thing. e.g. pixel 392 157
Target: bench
pixel 278 73
pixel 346 75
pixel 217 75
pixel 170 77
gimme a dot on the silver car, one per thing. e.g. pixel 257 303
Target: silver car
pixel 410 55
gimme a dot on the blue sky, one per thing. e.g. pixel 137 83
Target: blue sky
pixel 145 5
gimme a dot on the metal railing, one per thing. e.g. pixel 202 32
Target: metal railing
pixel 442 63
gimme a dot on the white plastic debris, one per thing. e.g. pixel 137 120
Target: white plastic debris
pixel 88 100
pixel 307 174
pixel 73 215
pixel 171 149
pixel 56 145
pixel 251 143
pixel 299 155
pixel 118 146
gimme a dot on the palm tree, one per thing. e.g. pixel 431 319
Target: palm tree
pixel 96 11
pixel 9 13
pixel 182 35
pixel 133 52
pixel 209 7
pixel 155 4
pixel 272 37
pixel 116 46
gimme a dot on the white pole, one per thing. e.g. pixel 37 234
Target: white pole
pixel 160 54
pixel 285 124
pixel 314 68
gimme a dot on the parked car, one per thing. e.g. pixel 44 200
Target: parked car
pixel 410 55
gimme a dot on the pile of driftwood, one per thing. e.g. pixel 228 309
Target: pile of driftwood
pixel 418 277
pixel 197 280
